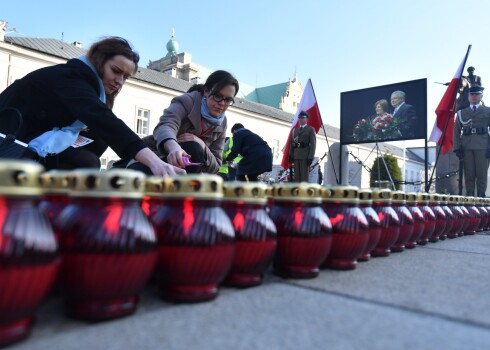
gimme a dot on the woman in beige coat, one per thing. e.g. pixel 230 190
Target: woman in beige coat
pixel 192 129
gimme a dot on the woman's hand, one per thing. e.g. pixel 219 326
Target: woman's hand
pixel 190 137
pixel 157 166
pixel 175 153
pixel 164 169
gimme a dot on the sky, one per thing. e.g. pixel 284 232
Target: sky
pixel 339 45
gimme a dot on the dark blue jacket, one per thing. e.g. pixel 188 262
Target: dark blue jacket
pixel 257 155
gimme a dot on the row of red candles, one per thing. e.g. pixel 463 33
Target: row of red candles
pixel 102 250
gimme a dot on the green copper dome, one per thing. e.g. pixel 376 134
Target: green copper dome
pixel 172 46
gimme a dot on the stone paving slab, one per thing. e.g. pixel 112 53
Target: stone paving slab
pixel 448 283
pixel 433 297
pixel 274 316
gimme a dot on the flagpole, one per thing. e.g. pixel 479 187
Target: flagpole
pixel 326 138
pixel 451 113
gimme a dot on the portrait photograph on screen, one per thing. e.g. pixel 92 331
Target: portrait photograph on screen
pixel 384 113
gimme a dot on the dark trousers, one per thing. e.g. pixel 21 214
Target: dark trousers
pixel 192 148
pixel 249 177
pixel 475 165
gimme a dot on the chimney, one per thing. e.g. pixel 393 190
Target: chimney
pixel 77 44
pixel 195 80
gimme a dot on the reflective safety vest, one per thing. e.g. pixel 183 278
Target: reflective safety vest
pixel 224 166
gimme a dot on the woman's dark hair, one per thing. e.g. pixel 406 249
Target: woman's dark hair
pixel 215 82
pixel 105 49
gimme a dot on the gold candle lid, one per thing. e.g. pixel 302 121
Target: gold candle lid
pixel 154 186
pixel 423 197
pixel 411 197
pixel 453 200
pixel 381 195
pixel 119 183
pixel 444 199
pixel 197 186
pixel 55 181
pixel 248 192
pixel 435 198
pixel 469 200
pixel 398 197
pixel 294 191
pixel 365 196
pixel 343 194
pixel 20 178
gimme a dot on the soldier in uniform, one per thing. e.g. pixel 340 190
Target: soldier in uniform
pixel 471 142
pixel 302 148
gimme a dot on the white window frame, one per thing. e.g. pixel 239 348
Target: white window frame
pixel 142 116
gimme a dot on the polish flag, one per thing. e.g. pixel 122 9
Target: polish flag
pixel 308 104
pixel 442 132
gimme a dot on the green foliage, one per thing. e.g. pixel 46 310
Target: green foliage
pixel 380 173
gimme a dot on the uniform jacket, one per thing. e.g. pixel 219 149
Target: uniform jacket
pixel 257 155
pixel 466 118
pixel 184 116
pixel 304 135
pixel 56 96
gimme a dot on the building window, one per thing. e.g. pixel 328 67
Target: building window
pixel 142 122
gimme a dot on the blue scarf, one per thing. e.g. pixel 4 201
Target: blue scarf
pixel 208 118
pixel 57 140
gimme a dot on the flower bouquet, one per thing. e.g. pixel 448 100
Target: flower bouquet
pixel 382 127
pixel 363 130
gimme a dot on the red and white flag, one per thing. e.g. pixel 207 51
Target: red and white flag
pixel 442 132
pixel 308 104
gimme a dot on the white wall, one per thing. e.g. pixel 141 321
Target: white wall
pixel 16 62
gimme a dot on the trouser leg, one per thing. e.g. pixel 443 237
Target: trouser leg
pixel 303 170
pixel 469 172
pixel 481 169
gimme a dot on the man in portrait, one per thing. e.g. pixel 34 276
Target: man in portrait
pixel 404 113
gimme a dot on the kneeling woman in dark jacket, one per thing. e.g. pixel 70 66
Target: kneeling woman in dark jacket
pixel 257 155
pixel 65 101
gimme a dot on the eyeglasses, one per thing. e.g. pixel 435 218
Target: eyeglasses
pixel 229 101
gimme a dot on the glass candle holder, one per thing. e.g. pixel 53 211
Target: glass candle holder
pixel 29 259
pixel 399 204
pixel 466 215
pixel 429 217
pixel 390 224
pixel 418 220
pixel 195 236
pixel 458 217
pixel 474 216
pixel 152 198
pixel 365 204
pixel 55 198
pixel 484 215
pixel 449 216
pixel 486 204
pixel 440 227
pixel 304 232
pixel 108 245
pixel 255 232
pixel 350 228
